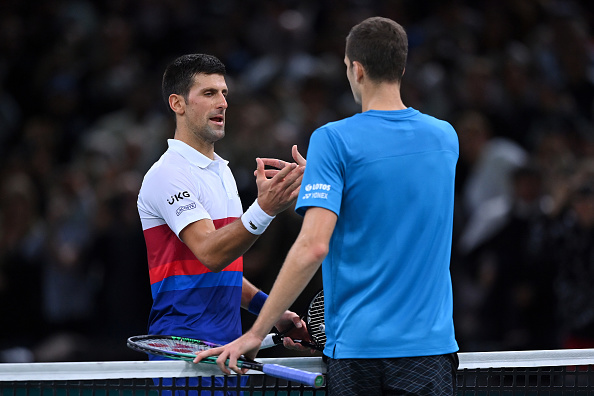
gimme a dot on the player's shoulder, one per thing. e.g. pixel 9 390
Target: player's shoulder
pixel 334 127
pixel 435 122
pixel 170 165
pixel 170 161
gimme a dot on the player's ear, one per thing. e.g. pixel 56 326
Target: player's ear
pixel 358 71
pixel 177 103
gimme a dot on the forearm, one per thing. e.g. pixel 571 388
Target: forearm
pixel 227 243
pixel 217 248
pixel 302 262
pixel 248 292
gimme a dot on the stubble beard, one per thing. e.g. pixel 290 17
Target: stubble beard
pixel 209 134
pixel 212 134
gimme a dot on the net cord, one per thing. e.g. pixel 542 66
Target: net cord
pixel 181 369
pixel 536 358
pixel 134 369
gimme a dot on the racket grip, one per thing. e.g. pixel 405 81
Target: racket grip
pixel 267 342
pixel 314 380
pixel 271 340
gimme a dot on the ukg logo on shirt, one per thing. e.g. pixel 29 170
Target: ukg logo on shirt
pixel 177 197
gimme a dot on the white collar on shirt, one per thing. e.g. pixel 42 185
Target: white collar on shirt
pixel 194 156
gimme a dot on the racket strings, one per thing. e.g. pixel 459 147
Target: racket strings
pixel 178 346
pixel 315 320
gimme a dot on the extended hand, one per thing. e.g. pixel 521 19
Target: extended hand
pixel 246 345
pixel 280 164
pixel 279 192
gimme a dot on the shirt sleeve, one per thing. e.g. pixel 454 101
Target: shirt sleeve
pixel 171 197
pixel 323 180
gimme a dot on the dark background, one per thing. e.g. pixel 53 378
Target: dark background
pixel 82 120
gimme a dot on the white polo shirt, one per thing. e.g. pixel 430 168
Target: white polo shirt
pixel 182 187
pixel 185 186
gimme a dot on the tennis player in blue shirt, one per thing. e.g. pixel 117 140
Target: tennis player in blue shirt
pixel 377 198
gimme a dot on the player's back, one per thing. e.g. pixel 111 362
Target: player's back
pixel 392 242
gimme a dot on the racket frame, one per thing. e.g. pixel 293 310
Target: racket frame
pixel 315 380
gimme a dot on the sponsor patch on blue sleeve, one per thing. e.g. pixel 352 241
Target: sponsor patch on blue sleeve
pixel 317 190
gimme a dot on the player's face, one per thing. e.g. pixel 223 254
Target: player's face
pixel 352 81
pixel 206 106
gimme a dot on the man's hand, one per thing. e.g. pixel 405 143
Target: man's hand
pixel 278 188
pixel 298 331
pixel 280 164
pixel 247 345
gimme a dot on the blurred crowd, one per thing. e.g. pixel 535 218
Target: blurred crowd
pixel 82 120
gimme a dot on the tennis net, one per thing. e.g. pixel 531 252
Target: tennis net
pixel 546 372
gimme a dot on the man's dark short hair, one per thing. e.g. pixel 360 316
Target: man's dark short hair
pixel 179 75
pixel 381 46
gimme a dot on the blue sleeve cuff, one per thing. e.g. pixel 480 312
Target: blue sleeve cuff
pixel 257 302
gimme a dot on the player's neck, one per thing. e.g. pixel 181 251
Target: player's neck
pixel 381 96
pixel 203 147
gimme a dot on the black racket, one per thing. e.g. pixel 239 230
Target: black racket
pixel 315 327
pixel 183 348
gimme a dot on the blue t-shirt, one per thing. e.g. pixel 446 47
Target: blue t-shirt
pixel 389 177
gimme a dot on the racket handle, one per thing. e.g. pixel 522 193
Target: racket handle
pixel 267 342
pixel 314 380
pixel 271 340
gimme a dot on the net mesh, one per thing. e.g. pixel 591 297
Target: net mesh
pixel 549 373
pixel 258 385
pixel 572 380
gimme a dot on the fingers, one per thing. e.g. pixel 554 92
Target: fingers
pixel 295 187
pixel 286 170
pixel 204 354
pixel 225 361
pixel 297 321
pixel 221 360
pixel 260 172
pixel 213 352
pixel 286 175
pixel 291 175
pixel 287 167
pixel 280 164
pixel 278 192
pixel 275 163
pixel 289 180
pixel 270 173
pixel 297 156
pixel 296 346
pixel 290 344
pixel 299 332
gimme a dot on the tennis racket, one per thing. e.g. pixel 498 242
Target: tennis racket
pixel 183 348
pixel 315 327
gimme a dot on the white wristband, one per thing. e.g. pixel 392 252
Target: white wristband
pixel 255 220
